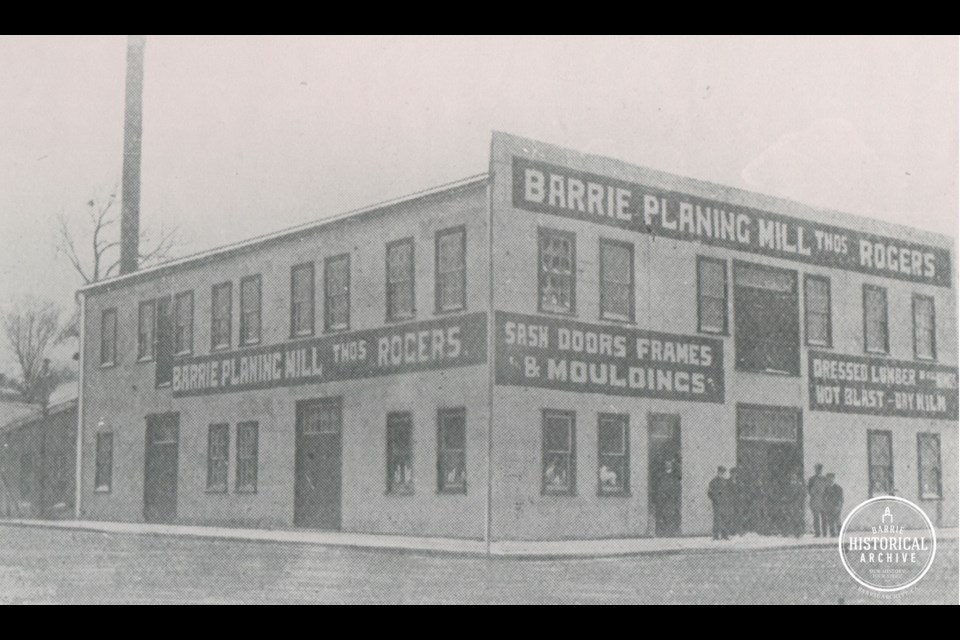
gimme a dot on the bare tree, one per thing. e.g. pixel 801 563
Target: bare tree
pixel 31 327
pixel 91 242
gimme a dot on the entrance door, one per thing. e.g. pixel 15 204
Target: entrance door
pixel 318 488
pixel 665 466
pixel 160 478
pixel 769 457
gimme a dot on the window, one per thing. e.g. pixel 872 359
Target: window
pixel 222 304
pixel 108 338
pixel 247 457
pixel 301 300
pixel 452 451
pixel 711 295
pixel 880 460
pixel 875 336
pixel 218 457
pixel 183 328
pixel 816 305
pixel 616 280
pixel 924 339
pixel 400 291
pixel 103 472
pixel 451 269
pixel 767 317
pixel 613 454
pixel 337 292
pixel 399 453
pixel 928 464
pixel 250 309
pixel 558 279
pixel 146 330
pixel 559 453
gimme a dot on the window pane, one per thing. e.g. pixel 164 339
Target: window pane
pixel 712 314
pixel 301 307
pixel 712 295
pixel 818 328
pixel 712 279
pixel 247 457
pixel 875 310
pixel 250 310
pixel 217 457
pixel 221 315
pixel 556 272
pixel 611 437
pixel 556 435
pixel 337 292
pixel 929 452
pixel 399 453
pixel 923 327
pixel 558 458
pixel 400 280
pixel 818 296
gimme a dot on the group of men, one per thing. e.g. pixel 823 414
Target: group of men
pixel 741 505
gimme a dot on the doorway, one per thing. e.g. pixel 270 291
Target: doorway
pixel 665 464
pixel 318 490
pixel 160 476
pixel 769 458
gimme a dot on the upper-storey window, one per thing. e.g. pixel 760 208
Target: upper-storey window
pixel 183 323
pixel 220 327
pixel 616 280
pixel 301 300
pixel 876 338
pixel 816 304
pixel 767 317
pixel 557 271
pixel 146 328
pixel 711 295
pixel 400 288
pixel 250 310
pixel 337 292
pixel 451 269
pixel 924 328
pixel 108 337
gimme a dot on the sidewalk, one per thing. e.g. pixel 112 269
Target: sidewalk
pixel 449 546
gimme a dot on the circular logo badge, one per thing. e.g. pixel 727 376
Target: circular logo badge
pixel 887 543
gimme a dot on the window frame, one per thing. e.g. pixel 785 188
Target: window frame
pixel 242 340
pixel 151 353
pixel 327 324
pixel 543 232
pixel 177 301
pixel 442 450
pixel 438 294
pixel 390 316
pixel 725 330
pixel 310 269
pixel 743 338
pixel 228 287
pixel 571 453
pixel 622 420
pixel 939 466
pixel 871 434
pixel 245 489
pixel 917 297
pixel 112 362
pixel 99 464
pixel 604 313
pixel 807 279
pixel 886 320
pixel 409 488
pixel 218 428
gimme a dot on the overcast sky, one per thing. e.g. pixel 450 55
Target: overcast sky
pixel 248 135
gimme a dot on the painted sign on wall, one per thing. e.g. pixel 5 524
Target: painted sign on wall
pixel 555 353
pixel 548 188
pixel 456 341
pixel 883 387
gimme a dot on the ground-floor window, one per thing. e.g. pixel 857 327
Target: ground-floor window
pixel 928 464
pixel 880 460
pixel 559 452
pixel 247 450
pixel 613 454
pixel 103 476
pixel 218 451
pixel 452 450
pixel 400 453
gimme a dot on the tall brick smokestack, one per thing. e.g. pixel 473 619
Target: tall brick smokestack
pixel 132 133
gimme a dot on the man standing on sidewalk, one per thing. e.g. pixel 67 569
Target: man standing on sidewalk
pixel 815 487
pixel 832 505
pixel 719 493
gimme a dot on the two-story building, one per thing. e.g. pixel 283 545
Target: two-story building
pixel 564 347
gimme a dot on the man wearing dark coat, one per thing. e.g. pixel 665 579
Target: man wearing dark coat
pixel 815 487
pixel 833 505
pixel 719 493
pixel 668 501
